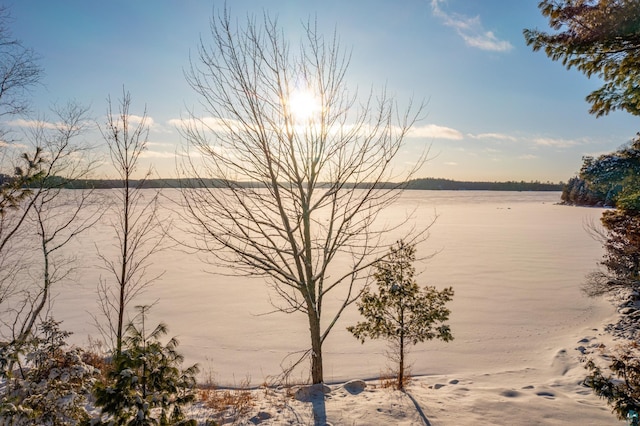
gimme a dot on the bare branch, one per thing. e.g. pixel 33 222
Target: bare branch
pixel 136 226
pixel 294 192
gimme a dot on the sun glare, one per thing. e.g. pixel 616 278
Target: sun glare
pixel 304 105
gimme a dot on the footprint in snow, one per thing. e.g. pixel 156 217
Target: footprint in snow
pixel 548 395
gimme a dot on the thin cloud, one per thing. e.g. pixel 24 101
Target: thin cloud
pixel 31 124
pixel 179 122
pixel 211 123
pixel 499 136
pixel 436 132
pixel 12 145
pixel 528 157
pixel 471 30
pixel 596 154
pixel 160 151
pixel 450 163
pixel 47 125
pixel 556 143
pixel 157 154
pixel 160 144
pixel 219 125
pixel 487 41
pixel 137 119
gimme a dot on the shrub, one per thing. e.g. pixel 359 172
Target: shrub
pixel 229 403
pixel 146 375
pixel 55 385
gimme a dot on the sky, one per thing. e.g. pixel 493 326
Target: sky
pixel 495 110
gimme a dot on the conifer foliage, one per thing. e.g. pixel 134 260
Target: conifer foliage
pixel 621 241
pixel 600 38
pixel 621 385
pixel 146 375
pixel 401 312
pixel 52 385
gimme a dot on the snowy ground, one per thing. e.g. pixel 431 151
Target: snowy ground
pixel 521 324
pixel 529 396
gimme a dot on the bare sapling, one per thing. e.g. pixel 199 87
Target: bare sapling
pixel 135 219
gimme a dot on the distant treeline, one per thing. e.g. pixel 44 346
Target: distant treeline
pixel 454 185
pixel 415 184
pixel 610 179
pixel 146 183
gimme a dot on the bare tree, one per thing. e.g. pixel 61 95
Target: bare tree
pixel 55 216
pixel 19 70
pixel 32 204
pixel 135 226
pixel 290 170
pixel 59 216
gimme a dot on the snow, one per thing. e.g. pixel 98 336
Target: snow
pixel 526 396
pixel 521 324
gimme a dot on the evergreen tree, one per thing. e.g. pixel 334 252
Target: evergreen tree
pixel 146 374
pixel 401 312
pixel 55 385
pixel 600 38
pixel 610 179
pixel 620 387
pixel 622 256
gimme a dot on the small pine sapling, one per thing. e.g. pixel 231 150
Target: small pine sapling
pixel 401 312
pixel 146 375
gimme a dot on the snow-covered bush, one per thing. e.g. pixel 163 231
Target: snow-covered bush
pixel 52 385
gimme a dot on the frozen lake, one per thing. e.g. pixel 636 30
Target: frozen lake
pixel 516 261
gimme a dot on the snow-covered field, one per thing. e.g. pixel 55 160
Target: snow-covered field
pixel 516 262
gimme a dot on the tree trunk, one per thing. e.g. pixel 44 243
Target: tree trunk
pixel 316 348
pixel 401 348
pixel 123 281
pixel 401 366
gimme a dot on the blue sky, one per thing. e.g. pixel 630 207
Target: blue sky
pixel 495 109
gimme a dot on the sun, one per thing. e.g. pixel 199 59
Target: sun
pixel 304 105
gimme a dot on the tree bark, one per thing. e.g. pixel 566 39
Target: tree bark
pixel 401 349
pixel 316 348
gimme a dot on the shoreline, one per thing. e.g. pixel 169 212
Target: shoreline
pixel 525 395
